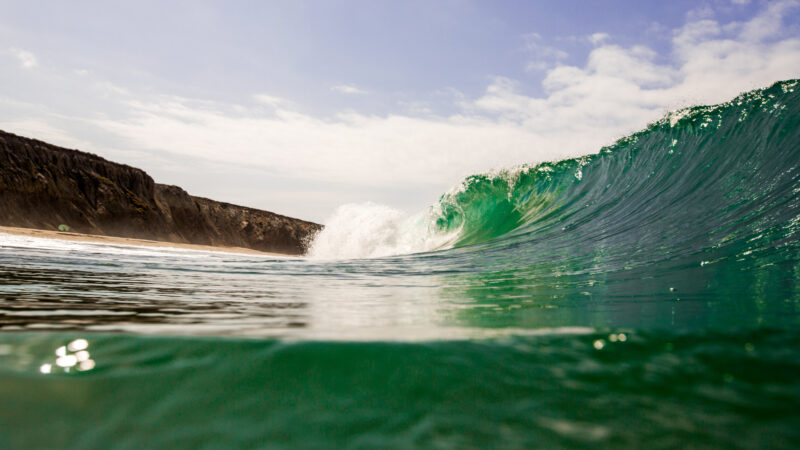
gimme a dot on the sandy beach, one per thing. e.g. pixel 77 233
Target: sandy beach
pixel 70 236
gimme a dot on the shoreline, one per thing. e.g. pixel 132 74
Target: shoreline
pixel 101 239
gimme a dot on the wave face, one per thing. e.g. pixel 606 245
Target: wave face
pixel 716 172
pixel 647 296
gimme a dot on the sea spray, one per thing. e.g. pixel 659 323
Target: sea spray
pixel 480 208
pixel 369 230
pixel 477 209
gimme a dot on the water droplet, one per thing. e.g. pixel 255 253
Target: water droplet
pixel 78 344
pixel 67 361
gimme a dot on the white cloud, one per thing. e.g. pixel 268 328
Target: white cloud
pixel 768 23
pixel 271 100
pixel 700 13
pixel 348 89
pixel 27 60
pixel 537 66
pixel 598 38
pixel 544 56
pixel 44 131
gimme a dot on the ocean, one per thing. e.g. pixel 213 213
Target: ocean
pixel 647 296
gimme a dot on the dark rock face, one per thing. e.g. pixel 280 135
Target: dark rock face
pixel 42 186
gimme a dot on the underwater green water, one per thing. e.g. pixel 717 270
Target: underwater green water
pixel 647 296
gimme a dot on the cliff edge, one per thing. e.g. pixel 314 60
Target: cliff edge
pixel 43 186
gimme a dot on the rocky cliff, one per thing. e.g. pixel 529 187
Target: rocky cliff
pixel 43 186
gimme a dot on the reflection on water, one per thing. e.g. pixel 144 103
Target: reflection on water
pixel 74 290
pixel 206 293
pixel 460 293
pixel 73 355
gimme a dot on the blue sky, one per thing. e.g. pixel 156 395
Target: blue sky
pixel 300 106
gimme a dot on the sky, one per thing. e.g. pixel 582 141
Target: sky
pixel 298 107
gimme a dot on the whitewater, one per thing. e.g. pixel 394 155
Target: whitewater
pixel 647 295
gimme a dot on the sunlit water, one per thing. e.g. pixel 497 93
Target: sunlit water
pixel 646 296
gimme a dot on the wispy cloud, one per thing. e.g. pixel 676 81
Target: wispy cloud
pixel 542 56
pixel 598 38
pixel 348 89
pixel 27 60
pixel 271 100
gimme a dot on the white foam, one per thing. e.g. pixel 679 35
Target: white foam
pixel 369 230
pixel 118 249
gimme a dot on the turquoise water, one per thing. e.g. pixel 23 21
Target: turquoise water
pixel 646 296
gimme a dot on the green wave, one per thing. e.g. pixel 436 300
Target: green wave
pixel 699 164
